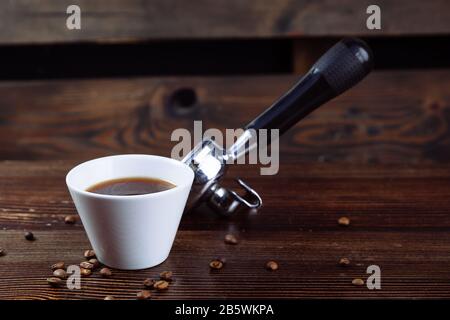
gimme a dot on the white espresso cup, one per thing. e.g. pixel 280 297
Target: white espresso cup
pixel 137 231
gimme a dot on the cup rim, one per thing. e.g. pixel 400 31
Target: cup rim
pixel 139 196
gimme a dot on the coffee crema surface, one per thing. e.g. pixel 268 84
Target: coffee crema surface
pixel 130 186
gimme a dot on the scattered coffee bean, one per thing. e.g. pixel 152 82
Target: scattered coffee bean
pixel 144 294
pixel 60 273
pixel 148 283
pixel 54 281
pixel 216 264
pixel 89 254
pixel 161 285
pixel 95 263
pixel 85 272
pixel 72 219
pixel 344 221
pixel 105 272
pixel 166 275
pixel 86 265
pixel 231 239
pixel 344 262
pixel 109 298
pixel 2 252
pixel 59 265
pixel 29 236
pixel 271 265
pixel 358 282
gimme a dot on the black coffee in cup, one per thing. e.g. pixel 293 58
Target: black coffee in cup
pixel 130 186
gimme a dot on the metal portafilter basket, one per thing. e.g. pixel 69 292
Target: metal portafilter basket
pixel 339 69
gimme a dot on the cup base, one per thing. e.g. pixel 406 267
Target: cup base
pixel 129 267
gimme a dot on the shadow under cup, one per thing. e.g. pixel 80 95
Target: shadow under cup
pixel 130 232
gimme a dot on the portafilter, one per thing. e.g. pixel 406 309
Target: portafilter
pixel 339 69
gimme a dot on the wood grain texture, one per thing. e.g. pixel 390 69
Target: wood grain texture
pixel 399 221
pixel 310 196
pixel 397 117
pixel 378 154
pixel 44 21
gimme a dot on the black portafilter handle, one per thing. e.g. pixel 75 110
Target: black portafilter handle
pixel 339 69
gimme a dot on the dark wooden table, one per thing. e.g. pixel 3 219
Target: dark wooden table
pixel 378 155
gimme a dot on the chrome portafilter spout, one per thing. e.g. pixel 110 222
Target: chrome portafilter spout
pixel 339 69
pixel 208 160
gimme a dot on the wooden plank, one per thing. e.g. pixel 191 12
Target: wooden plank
pixel 395 117
pixel 309 196
pixel 413 265
pixel 44 21
pixel 399 221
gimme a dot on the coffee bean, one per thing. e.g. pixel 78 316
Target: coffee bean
pixel 109 298
pixel 29 236
pixel 89 254
pixel 86 265
pixel 344 221
pixel 60 273
pixel 105 272
pixel 2 252
pixel 144 294
pixel 231 239
pixel 95 263
pixel 271 265
pixel 72 219
pixel 358 282
pixel 148 283
pixel 59 265
pixel 161 285
pixel 216 264
pixel 166 275
pixel 54 282
pixel 85 272
pixel 344 262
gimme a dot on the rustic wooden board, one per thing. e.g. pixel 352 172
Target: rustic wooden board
pixel 378 154
pixel 44 21
pixel 310 195
pixel 395 117
pixel 399 221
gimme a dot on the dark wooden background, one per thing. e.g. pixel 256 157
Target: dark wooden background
pixel 379 154
pixel 40 21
